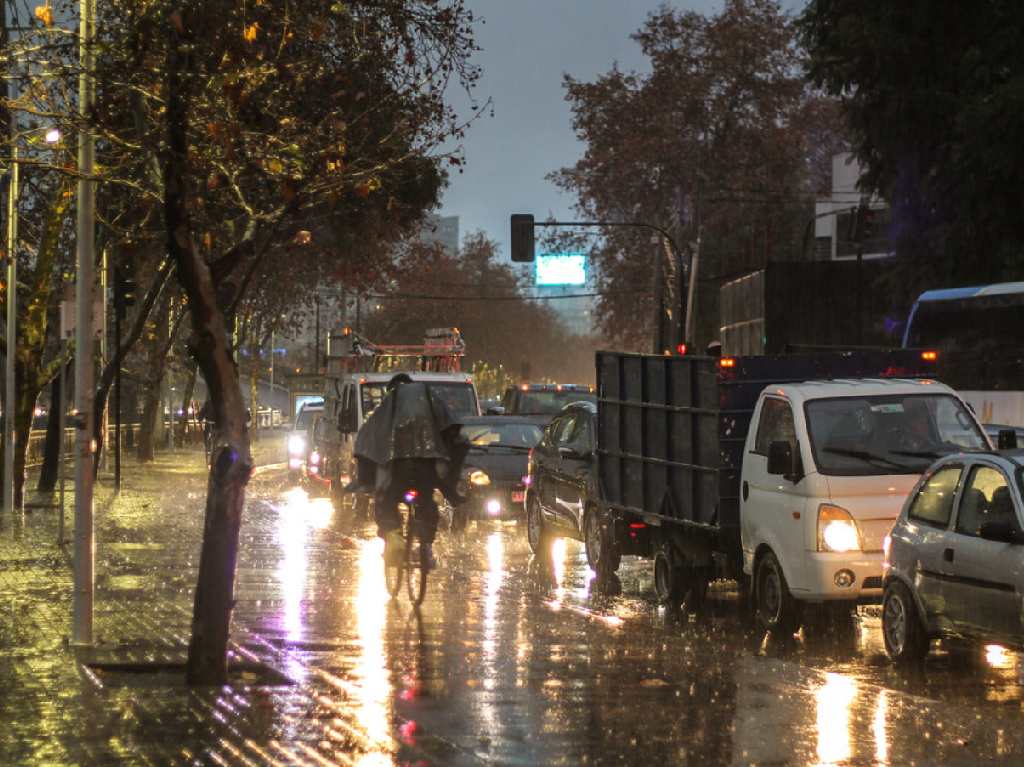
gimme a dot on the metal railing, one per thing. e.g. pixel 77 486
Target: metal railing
pixel 37 441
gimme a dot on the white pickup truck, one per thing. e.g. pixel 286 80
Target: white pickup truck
pixel 784 473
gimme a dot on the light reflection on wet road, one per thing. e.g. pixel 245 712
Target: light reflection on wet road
pixel 518 661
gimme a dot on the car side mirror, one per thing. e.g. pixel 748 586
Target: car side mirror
pixel 1001 531
pixel 1007 439
pixel 782 461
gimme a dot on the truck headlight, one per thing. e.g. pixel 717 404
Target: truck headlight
pixel 296 444
pixel 837 530
pixel 479 478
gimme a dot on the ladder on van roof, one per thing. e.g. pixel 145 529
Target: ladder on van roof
pixel 442 351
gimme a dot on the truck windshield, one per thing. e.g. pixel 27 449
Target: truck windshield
pixel 888 434
pixel 459 397
pixel 549 402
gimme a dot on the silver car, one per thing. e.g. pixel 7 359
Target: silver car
pixel 954 564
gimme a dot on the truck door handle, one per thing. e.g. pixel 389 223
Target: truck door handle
pixel 947 555
pixel 746 490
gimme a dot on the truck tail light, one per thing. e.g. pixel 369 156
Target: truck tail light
pixel 930 356
pixel 727 362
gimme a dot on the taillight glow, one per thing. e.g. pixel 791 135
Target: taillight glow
pixel 681 350
pixel 930 356
pixel 727 362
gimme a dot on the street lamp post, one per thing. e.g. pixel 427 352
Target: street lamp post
pixel 12 315
pixel 84 550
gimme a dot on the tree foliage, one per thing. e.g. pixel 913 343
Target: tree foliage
pixel 721 136
pixel 934 96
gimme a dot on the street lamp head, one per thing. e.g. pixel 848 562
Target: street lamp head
pixel 53 136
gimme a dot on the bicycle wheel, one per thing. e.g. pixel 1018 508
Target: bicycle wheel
pixel 393 573
pixel 417 567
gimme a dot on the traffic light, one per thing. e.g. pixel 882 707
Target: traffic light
pixel 863 223
pixel 125 289
pixel 522 237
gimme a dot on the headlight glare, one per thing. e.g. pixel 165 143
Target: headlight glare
pixel 837 530
pixel 296 444
pixel 479 478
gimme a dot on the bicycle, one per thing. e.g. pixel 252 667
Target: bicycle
pixel 408 564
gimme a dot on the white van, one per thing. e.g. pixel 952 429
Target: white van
pixel 826 468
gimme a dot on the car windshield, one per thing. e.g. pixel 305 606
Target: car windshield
pixel 459 397
pixel 519 435
pixel 890 434
pixel 550 402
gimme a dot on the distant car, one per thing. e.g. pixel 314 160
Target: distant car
pixel 544 399
pixel 955 557
pixel 494 472
pixel 298 440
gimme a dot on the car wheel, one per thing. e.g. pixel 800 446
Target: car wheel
pixel 537 533
pixel 602 554
pixel 905 638
pixel 777 611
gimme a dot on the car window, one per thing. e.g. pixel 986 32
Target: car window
pixel 776 425
pixel 986 498
pixel 583 436
pixel 564 433
pixel 934 502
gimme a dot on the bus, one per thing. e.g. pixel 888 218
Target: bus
pixel 979 334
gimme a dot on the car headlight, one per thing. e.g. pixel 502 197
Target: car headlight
pixel 314 458
pixel 296 444
pixel 479 478
pixel 837 530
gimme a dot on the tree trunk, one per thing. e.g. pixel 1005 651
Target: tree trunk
pixel 54 440
pixel 231 462
pixel 148 425
pixel 25 406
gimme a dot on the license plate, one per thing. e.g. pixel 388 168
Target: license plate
pixel 519 497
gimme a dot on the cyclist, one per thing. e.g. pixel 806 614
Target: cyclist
pixel 410 442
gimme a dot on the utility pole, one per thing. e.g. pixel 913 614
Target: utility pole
pixel 84 550
pixel 11 184
pixel 316 344
pixel 10 395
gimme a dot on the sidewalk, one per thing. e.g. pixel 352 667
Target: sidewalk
pixel 55 709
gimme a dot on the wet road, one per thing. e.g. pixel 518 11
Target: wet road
pixel 514 660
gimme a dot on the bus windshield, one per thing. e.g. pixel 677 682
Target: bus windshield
pixel 973 323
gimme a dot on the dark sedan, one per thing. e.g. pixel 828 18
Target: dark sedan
pixel 495 469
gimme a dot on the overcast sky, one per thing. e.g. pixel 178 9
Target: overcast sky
pixel 527 46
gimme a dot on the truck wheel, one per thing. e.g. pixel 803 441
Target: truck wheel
pixel 602 554
pixel 537 533
pixel 905 638
pixel 696 599
pixel 669 580
pixel 777 611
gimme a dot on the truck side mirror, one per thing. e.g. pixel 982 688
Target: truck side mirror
pixel 1007 439
pixel 781 459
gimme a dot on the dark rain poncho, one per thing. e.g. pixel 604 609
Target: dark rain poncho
pixel 410 423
